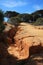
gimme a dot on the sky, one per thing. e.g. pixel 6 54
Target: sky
pixel 21 6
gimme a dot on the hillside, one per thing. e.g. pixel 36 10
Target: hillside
pixel 22 45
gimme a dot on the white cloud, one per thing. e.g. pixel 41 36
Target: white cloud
pixel 37 7
pixel 11 4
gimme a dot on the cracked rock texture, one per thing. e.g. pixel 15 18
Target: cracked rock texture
pixel 21 45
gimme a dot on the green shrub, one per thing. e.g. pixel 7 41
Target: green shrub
pixel 14 21
pixel 1 21
pixel 39 21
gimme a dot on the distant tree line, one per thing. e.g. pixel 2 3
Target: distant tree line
pixel 15 17
pixel 10 14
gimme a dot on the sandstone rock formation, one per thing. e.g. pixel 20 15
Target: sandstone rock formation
pixel 26 36
pixel 21 42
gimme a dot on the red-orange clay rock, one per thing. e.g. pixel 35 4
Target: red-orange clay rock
pixel 27 40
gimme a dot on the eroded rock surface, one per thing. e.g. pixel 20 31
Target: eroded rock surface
pixel 26 36
pixel 20 43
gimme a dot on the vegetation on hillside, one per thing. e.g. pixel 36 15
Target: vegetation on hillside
pixel 39 21
pixel 25 17
pixel 14 21
pixel 15 17
pixel 10 14
pixel 1 21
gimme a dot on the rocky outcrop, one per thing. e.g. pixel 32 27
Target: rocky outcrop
pixel 21 43
pixel 27 40
pixel 30 39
